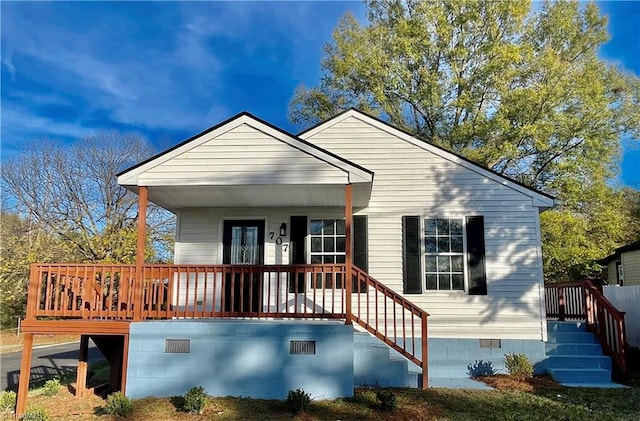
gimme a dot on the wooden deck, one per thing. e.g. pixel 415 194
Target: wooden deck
pixel 101 301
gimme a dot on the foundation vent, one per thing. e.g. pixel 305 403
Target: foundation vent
pixel 490 343
pixel 177 346
pixel 302 347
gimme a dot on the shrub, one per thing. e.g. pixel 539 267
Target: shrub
pixel 481 368
pixel 7 401
pixel 35 413
pixel 195 400
pixel 118 404
pixel 298 400
pixel 518 366
pixel 51 387
pixel 387 399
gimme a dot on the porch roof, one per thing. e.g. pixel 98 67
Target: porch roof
pixel 246 161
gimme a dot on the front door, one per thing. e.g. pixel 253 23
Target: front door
pixel 243 245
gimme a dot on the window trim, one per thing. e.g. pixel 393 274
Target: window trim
pixel 423 253
pixel 334 282
pixel 310 253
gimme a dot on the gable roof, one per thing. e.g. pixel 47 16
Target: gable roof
pixel 356 172
pixel 541 199
pixel 616 255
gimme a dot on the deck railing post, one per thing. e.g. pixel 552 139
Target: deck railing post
pixel 425 353
pixel 140 249
pixel 348 218
pixel 33 292
pixel 561 304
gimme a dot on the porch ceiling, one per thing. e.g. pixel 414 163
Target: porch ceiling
pixel 288 195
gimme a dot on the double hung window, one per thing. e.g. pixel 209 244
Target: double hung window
pixel 327 237
pixel 444 254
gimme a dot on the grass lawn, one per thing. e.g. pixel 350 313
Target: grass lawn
pixel 538 399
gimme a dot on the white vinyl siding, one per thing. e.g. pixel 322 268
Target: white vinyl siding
pixel 242 156
pixel 410 180
pixel 199 232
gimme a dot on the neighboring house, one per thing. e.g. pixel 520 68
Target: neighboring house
pixel 623 274
pixel 623 266
pixel 263 232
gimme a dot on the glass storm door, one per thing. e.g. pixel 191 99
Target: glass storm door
pixel 243 244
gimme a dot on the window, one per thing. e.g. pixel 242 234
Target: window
pixel 620 272
pixel 444 254
pixel 327 241
pixel 327 238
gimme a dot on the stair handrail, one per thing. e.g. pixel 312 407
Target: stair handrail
pixel 607 323
pixel 371 323
pixel 583 300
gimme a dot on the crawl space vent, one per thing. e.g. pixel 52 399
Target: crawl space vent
pixel 302 347
pixel 177 346
pixel 490 343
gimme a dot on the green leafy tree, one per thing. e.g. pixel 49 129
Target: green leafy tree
pixel 574 237
pixel 23 242
pixel 516 89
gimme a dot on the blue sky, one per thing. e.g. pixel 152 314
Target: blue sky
pixel 170 70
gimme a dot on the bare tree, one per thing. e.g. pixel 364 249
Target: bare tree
pixel 72 191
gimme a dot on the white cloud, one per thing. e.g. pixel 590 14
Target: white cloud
pixel 7 61
pixel 19 124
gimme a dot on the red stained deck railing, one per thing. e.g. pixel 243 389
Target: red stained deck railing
pixel 391 318
pixel 87 291
pixel 583 301
pixel 114 292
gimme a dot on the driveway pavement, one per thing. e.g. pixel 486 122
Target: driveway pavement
pixel 48 361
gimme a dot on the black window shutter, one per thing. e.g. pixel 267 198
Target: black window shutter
pixel 475 255
pixel 411 274
pixel 297 249
pixel 298 234
pixel 360 250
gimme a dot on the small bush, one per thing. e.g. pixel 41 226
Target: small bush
pixel 195 400
pixel 118 404
pixel 51 387
pixel 35 413
pixel 7 401
pixel 298 400
pixel 387 399
pixel 481 368
pixel 518 366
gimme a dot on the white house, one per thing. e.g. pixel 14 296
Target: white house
pixel 457 240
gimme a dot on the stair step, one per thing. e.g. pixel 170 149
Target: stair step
pixel 580 375
pixel 572 337
pixel 376 364
pixel 609 385
pixel 573 349
pixel 557 326
pixel 577 361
